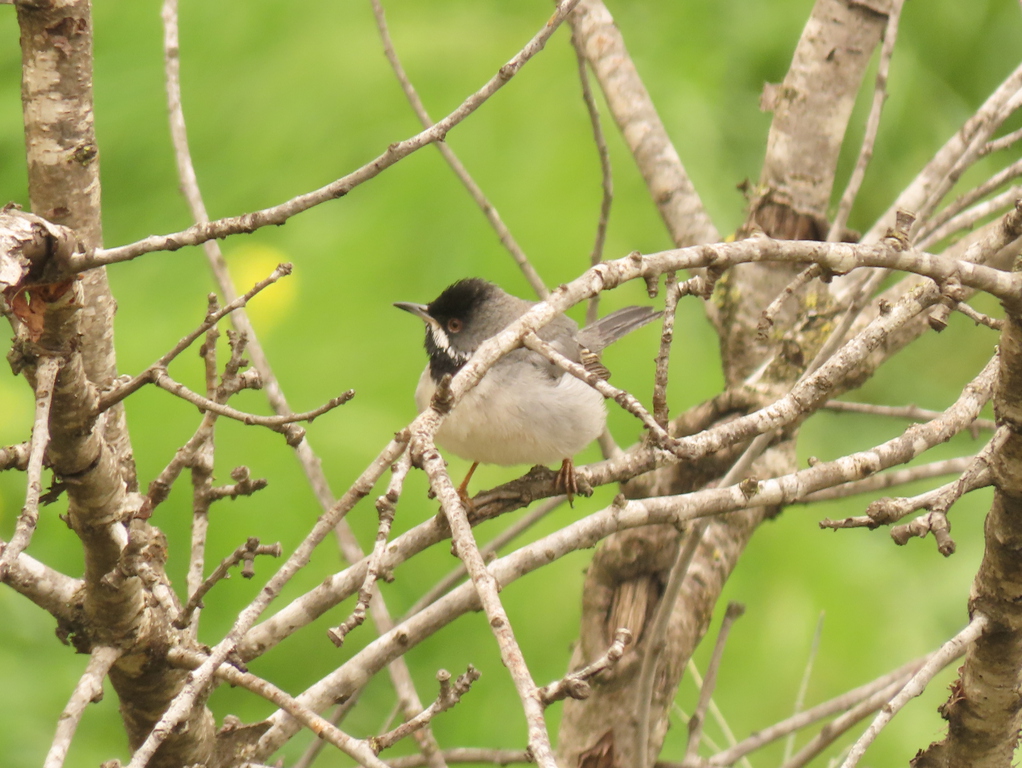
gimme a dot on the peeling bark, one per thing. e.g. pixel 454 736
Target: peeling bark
pixel 73 320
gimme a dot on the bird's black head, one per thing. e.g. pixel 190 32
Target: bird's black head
pixel 457 322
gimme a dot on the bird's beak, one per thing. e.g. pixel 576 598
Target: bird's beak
pixel 419 310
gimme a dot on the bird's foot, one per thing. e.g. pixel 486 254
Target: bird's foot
pixel 566 481
pixel 463 488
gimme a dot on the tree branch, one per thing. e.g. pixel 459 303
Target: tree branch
pixel 279 214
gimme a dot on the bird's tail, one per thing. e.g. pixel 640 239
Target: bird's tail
pixel 605 331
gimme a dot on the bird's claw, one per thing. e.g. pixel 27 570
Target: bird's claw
pixel 566 481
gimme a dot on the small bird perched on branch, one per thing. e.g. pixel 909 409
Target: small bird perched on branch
pixel 525 410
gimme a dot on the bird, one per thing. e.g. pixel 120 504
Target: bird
pixel 525 409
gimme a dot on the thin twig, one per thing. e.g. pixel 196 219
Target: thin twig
pixel 844 207
pixel 246 553
pixel 199 458
pixel 121 391
pixel 833 730
pixel 357 749
pixel 1003 176
pixel 449 696
pixel 606 176
pixel 385 507
pixel 696 721
pixel 313 750
pixel 88 691
pixel 506 536
pixel 910 412
pixel 657 639
pixel 46 377
pixel 952 649
pixel 661 409
pixel 487 588
pixel 244 485
pixel 576 684
pixel 718 716
pixel 766 322
pixel 889 510
pixel 978 317
pixel 803 688
pixel 202 677
pixel 281 423
pixel 311 465
pixel 841 703
pixel 1002 142
pixel 627 401
pixel 885 480
pixel 475 191
pixel 397 151
pixel 968 218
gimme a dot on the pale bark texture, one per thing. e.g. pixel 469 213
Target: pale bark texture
pixel 799 317
pixel 624 584
pixel 88 452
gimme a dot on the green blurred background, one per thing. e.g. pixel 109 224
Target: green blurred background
pixel 281 98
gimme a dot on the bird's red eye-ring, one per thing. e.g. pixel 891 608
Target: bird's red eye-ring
pixel 454 325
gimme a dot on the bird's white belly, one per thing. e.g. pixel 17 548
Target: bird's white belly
pixel 530 420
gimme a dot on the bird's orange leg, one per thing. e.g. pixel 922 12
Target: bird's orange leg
pixel 463 488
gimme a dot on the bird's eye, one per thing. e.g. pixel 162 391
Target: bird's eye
pixel 454 325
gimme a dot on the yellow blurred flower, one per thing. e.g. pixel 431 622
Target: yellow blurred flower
pixel 253 262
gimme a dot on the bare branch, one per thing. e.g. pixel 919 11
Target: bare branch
pixel 46 377
pixel 695 722
pixel 212 318
pixel 844 207
pixel 841 724
pixel 310 463
pixel 640 125
pixel 656 640
pixel 939 500
pixel 449 696
pixel 283 424
pixel 474 190
pixel 968 218
pixel 88 691
pixel 927 234
pixel 15 456
pixel 385 507
pixel 606 175
pixel 576 684
pixel 246 554
pixel 358 749
pixel 893 478
pixel 279 214
pixel 931 184
pixel 1002 142
pixel 59 595
pixel 800 697
pixel 910 412
pixel 622 398
pixel 201 677
pixel 895 679
pixel 487 588
pixel 661 412
pixel 800 281
pixel 952 649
